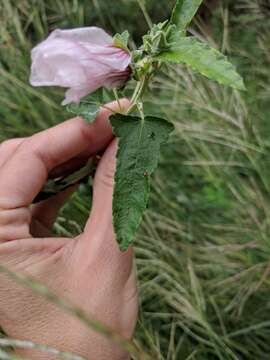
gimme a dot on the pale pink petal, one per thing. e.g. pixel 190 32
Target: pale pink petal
pixel 117 79
pixel 92 35
pixel 82 60
pixel 110 56
pixel 55 63
pixel 74 95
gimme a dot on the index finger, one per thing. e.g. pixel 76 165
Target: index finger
pixel 24 174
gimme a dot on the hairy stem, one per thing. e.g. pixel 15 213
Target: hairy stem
pixel 138 93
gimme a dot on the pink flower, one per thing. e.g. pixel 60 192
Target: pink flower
pixel 82 60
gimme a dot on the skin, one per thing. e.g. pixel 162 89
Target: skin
pixel 88 270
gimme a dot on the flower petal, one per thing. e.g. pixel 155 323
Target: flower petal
pixel 82 60
pixel 107 58
pixel 74 95
pixel 55 63
pixel 117 79
pixel 92 35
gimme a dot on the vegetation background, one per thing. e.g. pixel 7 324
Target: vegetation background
pixel 203 251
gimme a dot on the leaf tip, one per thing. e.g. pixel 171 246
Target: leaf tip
pixel 124 247
pixel 241 85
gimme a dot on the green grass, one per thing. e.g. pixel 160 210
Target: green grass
pixel 203 251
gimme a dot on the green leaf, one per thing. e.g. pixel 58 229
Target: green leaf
pixel 202 58
pixel 100 96
pixel 137 158
pixel 121 40
pixel 184 12
pixel 85 109
pixel 96 97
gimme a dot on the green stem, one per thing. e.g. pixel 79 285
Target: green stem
pixel 138 92
pixel 135 93
pixel 117 98
pixel 145 13
pixel 140 109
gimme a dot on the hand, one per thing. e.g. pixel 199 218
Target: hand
pixel 89 270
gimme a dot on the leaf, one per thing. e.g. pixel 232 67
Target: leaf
pixel 184 11
pixel 121 40
pixel 85 109
pixel 100 96
pixel 96 97
pixel 202 58
pixel 89 107
pixel 137 158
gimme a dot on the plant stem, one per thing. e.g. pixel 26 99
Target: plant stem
pixel 117 98
pixel 138 92
pixel 145 13
pixel 140 109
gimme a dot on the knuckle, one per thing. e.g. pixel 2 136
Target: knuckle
pixel 85 130
pixel 40 150
pixel 25 144
pixel 106 180
pixel 45 157
pixel 10 144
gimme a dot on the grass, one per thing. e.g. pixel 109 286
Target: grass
pixel 203 251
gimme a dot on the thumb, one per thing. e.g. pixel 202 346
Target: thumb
pixel 100 222
pixel 103 186
pixel 98 239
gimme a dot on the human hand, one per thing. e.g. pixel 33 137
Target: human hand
pixel 88 270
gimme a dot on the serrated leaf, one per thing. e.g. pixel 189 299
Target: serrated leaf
pixel 184 11
pixel 85 109
pixel 137 158
pixel 121 40
pixel 202 58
